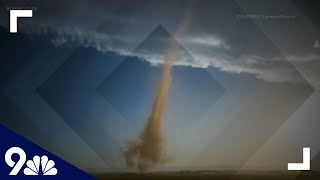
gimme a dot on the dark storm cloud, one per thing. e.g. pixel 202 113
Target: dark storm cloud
pixel 216 36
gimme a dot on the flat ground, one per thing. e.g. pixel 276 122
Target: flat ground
pixel 214 175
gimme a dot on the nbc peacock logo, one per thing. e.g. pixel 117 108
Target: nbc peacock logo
pixel 38 166
pixel 22 159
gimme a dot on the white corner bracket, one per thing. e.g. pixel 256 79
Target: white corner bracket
pixel 14 15
pixel 305 165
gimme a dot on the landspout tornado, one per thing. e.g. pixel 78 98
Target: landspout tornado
pixel 148 150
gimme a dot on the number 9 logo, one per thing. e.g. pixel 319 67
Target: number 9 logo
pixel 16 166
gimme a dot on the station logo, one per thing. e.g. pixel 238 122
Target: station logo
pixel 36 166
pixel 22 159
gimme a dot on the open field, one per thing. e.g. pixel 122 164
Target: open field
pixel 211 175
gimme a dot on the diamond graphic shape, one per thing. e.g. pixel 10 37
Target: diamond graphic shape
pixel 132 86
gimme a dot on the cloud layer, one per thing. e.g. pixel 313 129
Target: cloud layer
pixel 214 38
